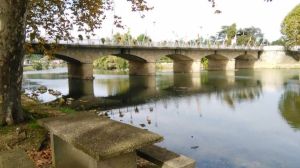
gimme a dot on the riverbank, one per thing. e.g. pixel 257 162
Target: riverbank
pixel 32 138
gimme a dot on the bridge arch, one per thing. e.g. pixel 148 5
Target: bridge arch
pixel 245 61
pixel 130 57
pixel 66 58
pixel 218 62
pixel 179 57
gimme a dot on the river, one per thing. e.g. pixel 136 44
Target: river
pixel 233 119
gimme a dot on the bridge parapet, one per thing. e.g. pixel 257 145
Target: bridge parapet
pixel 161 44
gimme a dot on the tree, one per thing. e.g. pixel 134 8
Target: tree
pixel 249 36
pixel 290 27
pixel 281 42
pixel 42 21
pixel 123 38
pixel 143 38
pixel 227 33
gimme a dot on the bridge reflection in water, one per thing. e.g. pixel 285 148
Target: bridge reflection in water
pixel 135 90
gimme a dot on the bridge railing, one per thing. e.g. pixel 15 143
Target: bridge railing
pixel 162 44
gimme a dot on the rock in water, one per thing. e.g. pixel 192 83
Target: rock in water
pixel 42 88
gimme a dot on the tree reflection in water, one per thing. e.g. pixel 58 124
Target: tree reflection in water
pixel 289 104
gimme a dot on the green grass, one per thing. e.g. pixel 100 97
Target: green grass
pixel 66 110
pixel 34 125
pixel 28 68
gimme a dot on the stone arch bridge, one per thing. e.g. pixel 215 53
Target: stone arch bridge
pixel 142 59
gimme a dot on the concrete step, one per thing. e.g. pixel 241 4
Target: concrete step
pixel 165 158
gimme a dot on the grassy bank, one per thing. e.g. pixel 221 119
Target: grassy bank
pixel 28 68
pixel 29 135
pixel 34 139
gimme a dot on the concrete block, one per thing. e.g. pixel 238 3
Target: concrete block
pixel 165 158
pixel 87 140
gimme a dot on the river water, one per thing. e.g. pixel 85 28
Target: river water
pixel 244 118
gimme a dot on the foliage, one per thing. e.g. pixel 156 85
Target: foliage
pixel 37 65
pixel 165 59
pixel 249 36
pixel 59 18
pixel 289 105
pixel 111 63
pixel 102 40
pixel 34 57
pixel 290 27
pixel 281 42
pixel 204 62
pixel 125 38
pixel 227 33
pixel 66 110
pixel 143 38
pixel 40 64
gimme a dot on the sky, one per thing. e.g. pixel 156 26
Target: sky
pixel 186 19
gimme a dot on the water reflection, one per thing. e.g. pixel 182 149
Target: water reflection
pixel 141 89
pixel 80 88
pixel 289 103
pixel 221 119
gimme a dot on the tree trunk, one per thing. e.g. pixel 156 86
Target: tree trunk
pixel 12 38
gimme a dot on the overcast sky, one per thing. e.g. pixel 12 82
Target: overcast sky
pixel 174 19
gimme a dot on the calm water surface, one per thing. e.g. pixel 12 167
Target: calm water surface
pixel 221 119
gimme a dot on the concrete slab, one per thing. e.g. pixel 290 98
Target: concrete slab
pixel 99 137
pixel 15 159
pixel 165 158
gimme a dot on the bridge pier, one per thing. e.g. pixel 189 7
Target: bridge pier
pixel 80 70
pixel 186 66
pixel 230 64
pixel 141 68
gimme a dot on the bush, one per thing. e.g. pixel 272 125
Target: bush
pixel 37 65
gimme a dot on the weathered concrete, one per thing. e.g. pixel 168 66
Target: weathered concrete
pixel 165 158
pixel 66 155
pixel 15 159
pixel 80 70
pixel 102 139
pixel 186 66
pixel 277 57
pixel 142 59
pixel 142 68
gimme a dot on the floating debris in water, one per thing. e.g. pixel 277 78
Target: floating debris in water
pixel 151 109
